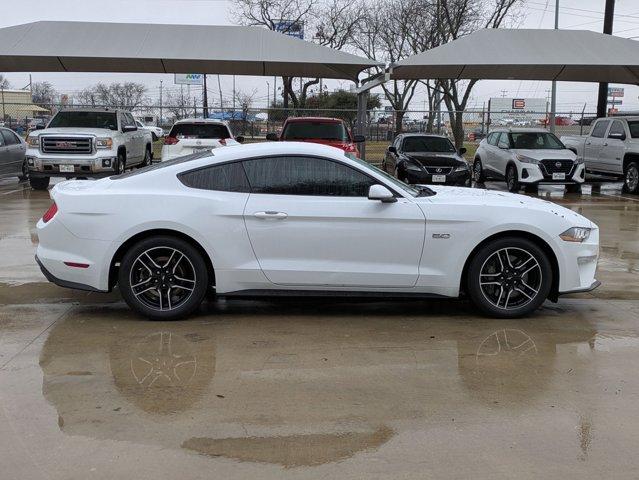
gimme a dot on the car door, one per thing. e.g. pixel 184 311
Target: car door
pixel 4 156
pixel 594 145
pixel 490 160
pixel 133 141
pixel 613 149
pixel 14 151
pixel 311 224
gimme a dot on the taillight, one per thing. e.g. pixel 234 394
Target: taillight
pixel 170 141
pixel 49 214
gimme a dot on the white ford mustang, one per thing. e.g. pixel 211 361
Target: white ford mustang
pixel 306 219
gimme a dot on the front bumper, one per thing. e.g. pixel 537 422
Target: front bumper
pixel 93 166
pixel 530 173
pixel 453 178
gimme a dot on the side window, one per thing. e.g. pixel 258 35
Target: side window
pixel 492 138
pixel 9 138
pixel 306 176
pixel 617 129
pixel 127 120
pixel 504 142
pixel 599 130
pixel 229 177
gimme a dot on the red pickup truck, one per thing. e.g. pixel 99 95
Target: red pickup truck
pixel 327 131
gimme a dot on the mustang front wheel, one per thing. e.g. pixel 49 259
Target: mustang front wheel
pixel 509 277
pixel 163 278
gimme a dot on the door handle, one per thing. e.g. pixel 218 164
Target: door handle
pixel 271 214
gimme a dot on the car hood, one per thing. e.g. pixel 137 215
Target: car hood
pixel 492 198
pixel 75 130
pixel 435 159
pixel 563 154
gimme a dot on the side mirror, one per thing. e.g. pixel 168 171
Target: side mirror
pixel 392 149
pixel 239 139
pixel 272 137
pixel 381 193
pixel 39 127
pixel 462 150
pixel 617 136
pixel 129 128
pixel 359 138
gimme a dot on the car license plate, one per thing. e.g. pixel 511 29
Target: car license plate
pixel 439 178
pixel 559 176
pixel 67 168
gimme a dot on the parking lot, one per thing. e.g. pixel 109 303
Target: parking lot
pixel 319 388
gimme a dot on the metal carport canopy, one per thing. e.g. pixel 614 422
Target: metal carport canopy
pixel 162 48
pixel 526 54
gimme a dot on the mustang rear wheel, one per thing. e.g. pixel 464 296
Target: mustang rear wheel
pixel 163 278
pixel 509 277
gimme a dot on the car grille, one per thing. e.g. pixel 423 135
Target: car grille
pixel 73 145
pixel 557 166
pixel 438 170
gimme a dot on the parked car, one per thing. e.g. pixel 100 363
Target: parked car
pixel 611 148
pixel 193 135
pixel 326 131
pixel 12 155
pixel 86 143
pixel 426 158
pixel 156 132
pixel 527 157
pixel 304 219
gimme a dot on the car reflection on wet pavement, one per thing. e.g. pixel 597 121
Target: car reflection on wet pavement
pixel 320 388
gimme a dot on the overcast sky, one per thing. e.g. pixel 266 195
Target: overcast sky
pixel 581 14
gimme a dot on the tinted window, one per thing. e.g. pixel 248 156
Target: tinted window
pixel 71 118
pixel 305 176
pixel 599 130
pixel 199 130
pixel 229 177
pixel 428 144
pixel 315 130
pixel 492 138
pixel 617 129
pixel 535 141
pixel 634 129
pixel 9 138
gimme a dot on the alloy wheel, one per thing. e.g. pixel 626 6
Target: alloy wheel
pixel 510 278
pixel 162 278
pixel 477 170
pixel 632 178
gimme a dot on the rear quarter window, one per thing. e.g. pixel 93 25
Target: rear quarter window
pixel 228 177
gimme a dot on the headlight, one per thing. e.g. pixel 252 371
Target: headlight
pixel 462 168
pixel 413 167
pixel 579 160
pixel 105 143
pixel 33 141
pixel 525 159
pixel 576 234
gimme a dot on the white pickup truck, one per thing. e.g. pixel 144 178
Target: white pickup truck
pixel 86 143
pixel 611 149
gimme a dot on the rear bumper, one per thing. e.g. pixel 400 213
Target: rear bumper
pixel 64 283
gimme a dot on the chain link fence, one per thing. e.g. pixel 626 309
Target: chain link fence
pixel 380 129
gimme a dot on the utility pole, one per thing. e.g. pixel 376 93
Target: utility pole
pixel 602 100
pixel 233 97
pixel 160 102
pixel 553 95
pixel 205 99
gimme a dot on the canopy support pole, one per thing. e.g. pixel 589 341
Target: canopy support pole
pixel 363 92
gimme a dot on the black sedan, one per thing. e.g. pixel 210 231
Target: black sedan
pixel 426 158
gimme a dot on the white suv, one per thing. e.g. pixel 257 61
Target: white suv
pixel 527 157
pixel 193 135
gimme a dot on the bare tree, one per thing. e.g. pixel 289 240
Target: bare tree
pixel 127 95
pixel 178 104
pixel 4 82
pixel 43 94
pixel 245 101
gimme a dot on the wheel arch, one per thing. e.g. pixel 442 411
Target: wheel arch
pixel 540 242
pixel 629 157
pixel 119 253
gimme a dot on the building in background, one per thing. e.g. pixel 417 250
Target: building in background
pixel 517 112
pixel 16 107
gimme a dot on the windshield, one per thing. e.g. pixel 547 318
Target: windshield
pixel 199 130
pixel 535 141
pixel 428 144
pixel 410 190
pixel 634 128
pixel 69 118
pixel 315 131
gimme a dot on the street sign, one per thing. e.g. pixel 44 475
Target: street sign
pixel 189 79
pixel 291 28
pixel 615 92
pixel 519 103
pixel 615 102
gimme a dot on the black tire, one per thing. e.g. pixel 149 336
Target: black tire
pixel 540 277
pixel 478 171
pixel 24 171
pixel 631 178
pixel 534 188
pixel 512 179
pixel 39 183
pixel 401 175
pixel 153 303
pixel 573 188
pixel 120 164
pixel 147 158
pixel 154 137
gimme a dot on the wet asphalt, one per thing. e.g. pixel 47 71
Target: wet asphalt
pixel 319 388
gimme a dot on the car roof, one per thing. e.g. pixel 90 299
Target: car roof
pixel 314 119
pixel 201 120
pixel 94 109
pixel 435 135
pixel 520 130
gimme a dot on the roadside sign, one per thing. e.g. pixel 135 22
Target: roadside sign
pixel 292 28
pixel 615 102
pixel 519 103
pixel 189 79
pixel 615 92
